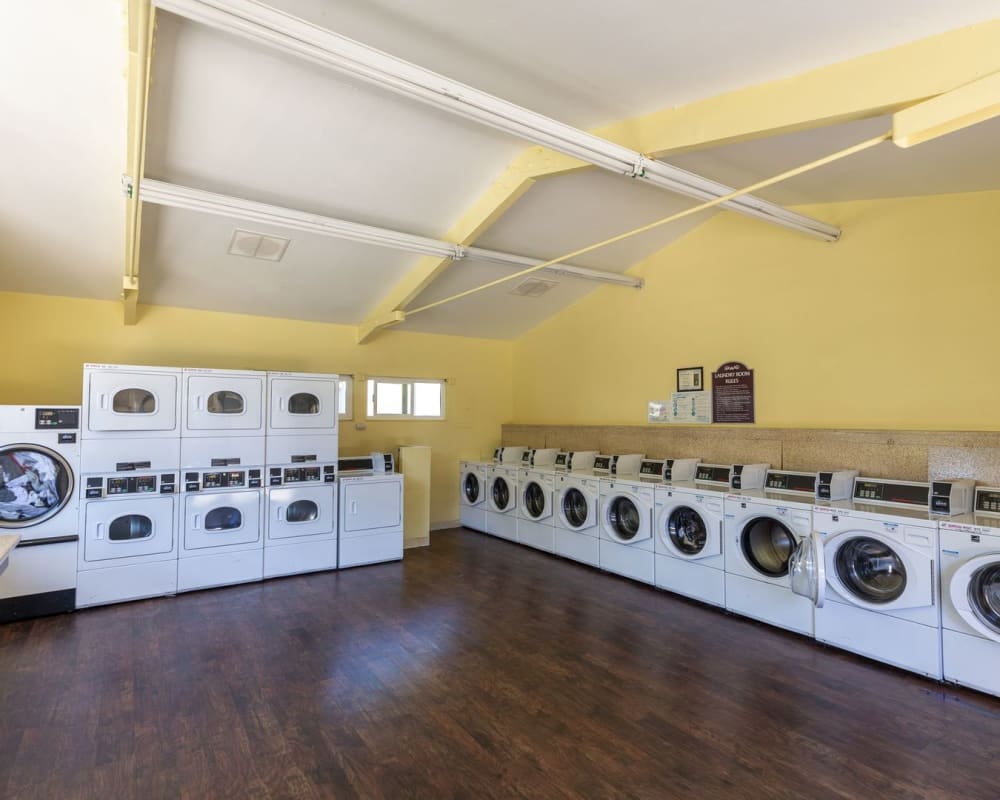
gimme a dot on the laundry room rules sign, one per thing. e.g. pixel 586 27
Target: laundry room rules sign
pixel 732 393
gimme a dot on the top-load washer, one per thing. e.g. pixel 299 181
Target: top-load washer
pixel 301 418
pixel 763 529
pixel 131 418
pixel 222 418
pixel 626 514
pixel 970 595
pixel 39 474
pixel 472 485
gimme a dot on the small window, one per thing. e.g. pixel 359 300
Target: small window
pixel 225 402
pixel 225 518
pixel 302 511
pixel 134 401
pixel 407 398
pixel 303 403
pixel 130 527
pixel 345 397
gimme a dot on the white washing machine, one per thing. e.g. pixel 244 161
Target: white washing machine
pixel 970 595
pixel 39 472
pixel 501 501
pixel 626 527
pixel 576 525
pixel 301 418
pixel 371 511
pixel 128 537
pixel 536 508
pixel 222 418
pixel 131 418
pixel 472 494
pixel 222 528
pixel 871 568
pixel 300 534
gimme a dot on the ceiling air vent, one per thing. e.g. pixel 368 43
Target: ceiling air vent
pixel 533 287
pixel 257 245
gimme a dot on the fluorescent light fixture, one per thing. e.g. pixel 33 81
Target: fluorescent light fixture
pixel 949 112
pixel 273 28
pixel 169 194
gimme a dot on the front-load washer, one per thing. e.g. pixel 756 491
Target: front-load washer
pixel 300 534
pixel 626 529
pixel 536 508
pixel 131 418
pixel 472 494
pixel 970 595
pixel 301 418
pixel 222 528
pixel 501 501
pixel 371 512
pixel 762 531
pixel 222 418
pixel 576 524
pixel 128 537
pixel 39 501
pixel 871 569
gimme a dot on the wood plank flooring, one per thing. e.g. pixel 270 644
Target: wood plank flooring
pixel 474 669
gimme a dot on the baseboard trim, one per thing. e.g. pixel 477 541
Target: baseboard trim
pixel 446 524
pixel 423 541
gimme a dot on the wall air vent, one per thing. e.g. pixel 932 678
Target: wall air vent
pixel 257 245
pixel 533 287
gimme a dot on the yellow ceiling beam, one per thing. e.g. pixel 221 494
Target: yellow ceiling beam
pixel 967 105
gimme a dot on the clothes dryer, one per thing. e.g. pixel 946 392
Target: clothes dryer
pixel 222 418
pixel 472 494
pixel 128 538
pixel 222 528
pixel 371 512
pixel 970 595
pixel 301 418
pixel 501 501
pixel 536 508
pixel 871 569
pixel 39 501
pixel 300 534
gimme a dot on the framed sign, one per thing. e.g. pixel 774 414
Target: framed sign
pixel 733 393
pixel 691 379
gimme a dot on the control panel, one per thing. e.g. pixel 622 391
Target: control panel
pixel 952 497
pixel 280 476
pixel 798 482
pixel 163 483
pixel 897 493
pixel 713 473
pixel 748 476
pixel 226 479
pixel 57 419
pixel 562 460
pixel 987 500
pixel 680 469
pixel 651 468
pixel 626 464
pixel 602 464
pixel 836 485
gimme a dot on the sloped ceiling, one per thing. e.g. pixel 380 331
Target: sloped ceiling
pixel 230 117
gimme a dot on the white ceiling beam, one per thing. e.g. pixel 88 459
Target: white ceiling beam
pixel 175 196
pixel 273 28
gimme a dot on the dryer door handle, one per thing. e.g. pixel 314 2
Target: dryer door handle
pixel 277 513
pixel 195 521
pixel 99 531
pixel 197 402
pixel 102 401
pixel 354 507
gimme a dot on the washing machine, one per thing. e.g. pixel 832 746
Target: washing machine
pixel 576 525
pixel 871 569
pixel 131 418
pixel 39 475
pixel 625 545
pixel 128 537
pixel 222 418
pixel 970 595
pixel 472 494
pixel 536 507
pixel 222 528
pixel 501 501
pixel 763 529
pixel 301 418
pixel 371 511
pixel 300 533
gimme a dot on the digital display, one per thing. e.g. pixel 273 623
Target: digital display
pixel 903 493
pixel 57 418
pixel 988 500
pixel 712 473
pixel 355 465
pixel 134 484
pixel 791 482
pixel 223 480
pixel 602 462
pixel 651 468
pixel 561 459
pixel 302 474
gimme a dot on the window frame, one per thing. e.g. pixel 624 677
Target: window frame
pixel 370 397
pixel 348 395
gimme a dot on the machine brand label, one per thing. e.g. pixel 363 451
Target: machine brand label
pixel 67 438
pixel 975 537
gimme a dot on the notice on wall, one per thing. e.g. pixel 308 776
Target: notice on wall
pixel 733 393
pixel 692 408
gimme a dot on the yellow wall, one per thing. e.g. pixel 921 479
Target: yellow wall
pixel 892 327
pixel 49 338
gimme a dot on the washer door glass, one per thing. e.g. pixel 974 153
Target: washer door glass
pixel 501 493
pixel 687 531
pixel 35 484
pixel 871 570
pixel 984 595
pixel 767 545
pixel 534 500
pixel 574 506
pixel 225 402
pixel 471 488
pixel 134 401
pixel 624 518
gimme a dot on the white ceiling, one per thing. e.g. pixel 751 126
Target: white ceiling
pixel 230 117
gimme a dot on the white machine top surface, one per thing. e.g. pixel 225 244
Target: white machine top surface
pixel 771 498
pixel 697 487
pixel 869 510
pixel 987 524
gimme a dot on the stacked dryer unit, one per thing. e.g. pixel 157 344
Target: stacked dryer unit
pixel 222 461
pixel 301 454
pixel 501 495
pixel 536 482
pixel 371 510
pixel 130 459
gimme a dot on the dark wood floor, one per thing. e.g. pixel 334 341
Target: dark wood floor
pixel 475 669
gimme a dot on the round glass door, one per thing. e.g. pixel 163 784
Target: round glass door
pixel 501 493
pixel 35 484
pixel 767 545
pixel 624 518
pixel 575 508
pixel 871 570
pixel 686 530
pixel 984 595
pixel 471 487
pixel 534 500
